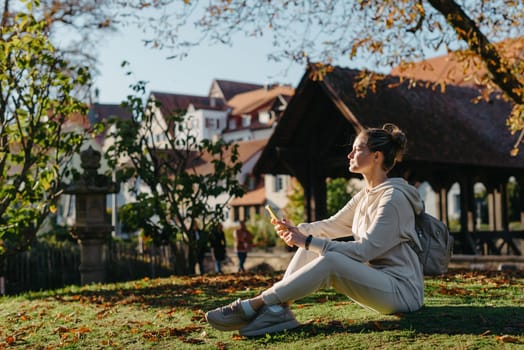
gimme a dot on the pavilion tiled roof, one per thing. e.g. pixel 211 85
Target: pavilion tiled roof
pixel 445 128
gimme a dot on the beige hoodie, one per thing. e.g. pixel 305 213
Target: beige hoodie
pixel 381 221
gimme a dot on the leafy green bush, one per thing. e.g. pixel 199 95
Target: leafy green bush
pixel 264 235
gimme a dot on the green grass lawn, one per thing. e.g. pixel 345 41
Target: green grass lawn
pixel 463 310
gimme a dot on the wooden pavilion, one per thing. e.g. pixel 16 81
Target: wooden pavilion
pixel 451 140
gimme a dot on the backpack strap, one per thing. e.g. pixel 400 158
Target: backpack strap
pixel 414 246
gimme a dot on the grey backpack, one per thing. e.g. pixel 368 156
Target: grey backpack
pixel 436 242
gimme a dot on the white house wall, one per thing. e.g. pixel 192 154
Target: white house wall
pixel 158 129
pixel 195 123
pixel 277 198
pixel 264 133
pixel 238 135
pixel 245 171
pixel 215 132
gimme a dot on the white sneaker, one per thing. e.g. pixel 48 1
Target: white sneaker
pixel 268 321
pixel 228 318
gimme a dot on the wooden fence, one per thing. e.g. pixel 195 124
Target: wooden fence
pixel 46 267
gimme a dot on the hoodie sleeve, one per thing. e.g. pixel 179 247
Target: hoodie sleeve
pixel 382 235
pixel 339 225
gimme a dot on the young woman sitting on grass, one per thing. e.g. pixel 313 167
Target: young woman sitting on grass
pixel 378 270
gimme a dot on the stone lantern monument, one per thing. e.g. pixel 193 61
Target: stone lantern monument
pixel 91 227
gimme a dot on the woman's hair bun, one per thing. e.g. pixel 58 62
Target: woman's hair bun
pixel 399 139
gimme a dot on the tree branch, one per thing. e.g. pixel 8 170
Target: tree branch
pixel 468 31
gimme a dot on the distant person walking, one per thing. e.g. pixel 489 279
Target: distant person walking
pixel 243 244
pixel 217 239
pixel 200 237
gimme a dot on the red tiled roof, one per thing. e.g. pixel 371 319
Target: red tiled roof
pixel 456 69
pixel 76 119
pixel 179 158
pixel 246 150
pixel 170 103
pixel 254 197
pixel 231 88
pixel 100 112
pixel 258 100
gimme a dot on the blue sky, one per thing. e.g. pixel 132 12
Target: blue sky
pixel 246 61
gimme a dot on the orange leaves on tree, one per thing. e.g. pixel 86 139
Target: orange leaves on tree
pixel 358 44
pixel 318 71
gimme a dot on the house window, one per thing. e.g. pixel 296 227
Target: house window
pixel 251 183
pixel 246 120
pixel 279 183
pixel 71 206
pixel 247 213
pixel 211 123
pixel 456 204
pixel 136 185
pixel 236 213
pixel 264 117
pixel 191 122
pixel 232 124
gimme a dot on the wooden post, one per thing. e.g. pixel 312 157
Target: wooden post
pixel 498 208
pixel 491 210
pixel 504 206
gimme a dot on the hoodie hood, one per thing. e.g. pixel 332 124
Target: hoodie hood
pixel 408 190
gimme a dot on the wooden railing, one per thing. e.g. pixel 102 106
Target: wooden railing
pixel 489 242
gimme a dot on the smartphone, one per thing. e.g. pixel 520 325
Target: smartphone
pixel 272 213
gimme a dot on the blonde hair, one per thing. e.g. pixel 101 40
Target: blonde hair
pixel 389 140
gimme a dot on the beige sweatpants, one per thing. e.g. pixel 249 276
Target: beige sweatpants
pixel 308 272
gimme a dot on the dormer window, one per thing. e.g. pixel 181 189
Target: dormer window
pixel 264 117
pixel 251 183
pixel 232 124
